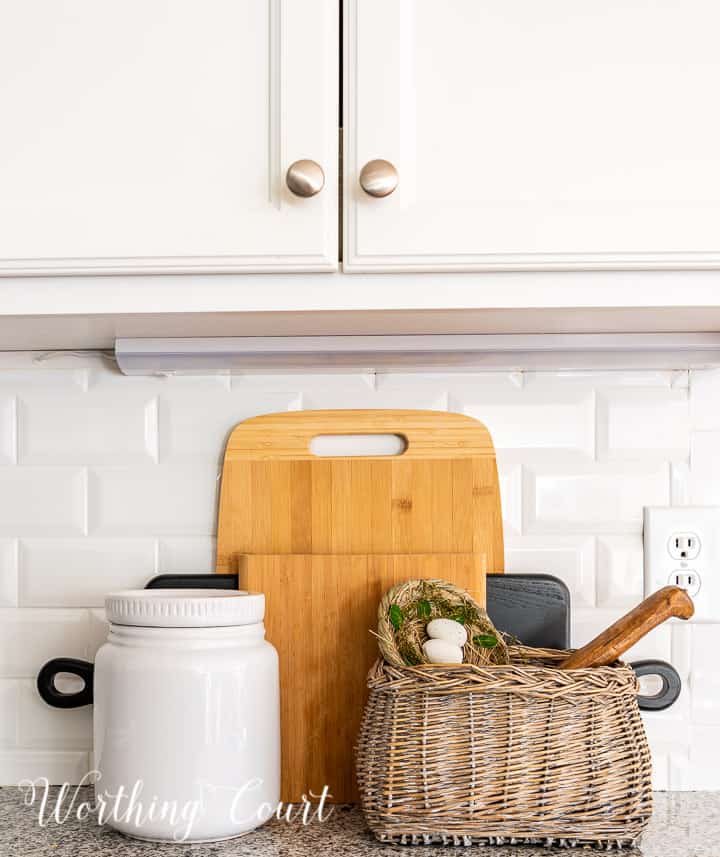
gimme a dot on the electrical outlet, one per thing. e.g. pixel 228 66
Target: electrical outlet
pixel 681 547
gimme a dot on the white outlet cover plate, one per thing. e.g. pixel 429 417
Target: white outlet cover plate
pixel 660 524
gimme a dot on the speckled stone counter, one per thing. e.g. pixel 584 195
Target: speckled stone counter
pixel 684 824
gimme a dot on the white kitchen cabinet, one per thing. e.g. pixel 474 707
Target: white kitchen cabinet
pixel 526 135
pixel 154 136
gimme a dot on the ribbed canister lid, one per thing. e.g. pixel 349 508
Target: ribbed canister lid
pixel 184 608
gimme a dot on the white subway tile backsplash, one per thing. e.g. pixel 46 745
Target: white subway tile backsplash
pixel 41 726
pixel 159 500
pixel 80 572
pixel 29 637
pixel 97 428
pixel 186 555
pixel 9 707
pixel 642 423
pixel 705 399
pixel 705 468
pixel 195 426
pixel 107 480
pixel 705 675
pixel 560 419
pixel 619 570
pixel 8 573
pixel 58 766
pixel 366 395
pixel 42 501
pixel 26 376
pixel 560 498
pixel 571 558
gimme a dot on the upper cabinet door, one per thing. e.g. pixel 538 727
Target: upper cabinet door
pixel 156 135
pixel 562 134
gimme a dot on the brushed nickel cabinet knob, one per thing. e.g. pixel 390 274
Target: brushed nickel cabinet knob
pixel 305 178
pixel 378 178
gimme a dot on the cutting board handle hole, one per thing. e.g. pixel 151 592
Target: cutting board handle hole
pixel 357 445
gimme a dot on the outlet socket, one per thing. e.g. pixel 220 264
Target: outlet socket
pixel 681 547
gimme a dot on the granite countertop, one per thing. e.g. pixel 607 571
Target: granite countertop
pixel 684 824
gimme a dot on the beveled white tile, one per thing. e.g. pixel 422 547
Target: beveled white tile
pixel 42 501
pixel 682 777
pixel 643 423
pixel 571 558
pixel 155 500
pixel 705 468
pixel 660 771
pixel 668 731
pixel 87 428
pixel 619 570
pixel 560 498
pixel 592 378
pixel 57 766
pixel 81 572
pixel 475 386
pixel 705 674
pixel 705 399
pixel 30 637
pixel 9 707
pixel 8 573
pixel 343 383
pixel 587 623
pixel 41 726
pixel 99 628
pixel 38 379
pixel 107 377
pixel 704 769
pixel 186 555
pixel 196 426
pixel 363 396
pixel 559 419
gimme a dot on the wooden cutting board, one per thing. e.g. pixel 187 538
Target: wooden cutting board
pixel 319 612
pixel 440 496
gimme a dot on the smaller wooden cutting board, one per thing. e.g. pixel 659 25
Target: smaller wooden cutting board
pixel 319 614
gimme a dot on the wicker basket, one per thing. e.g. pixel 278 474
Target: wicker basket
pixel 504 754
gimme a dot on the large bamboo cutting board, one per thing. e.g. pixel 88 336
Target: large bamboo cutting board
pixel 440 496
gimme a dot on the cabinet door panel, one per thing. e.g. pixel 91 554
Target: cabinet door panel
pixel 154 135
pixel 533 135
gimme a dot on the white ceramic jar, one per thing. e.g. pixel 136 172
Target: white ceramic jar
pixel 186 720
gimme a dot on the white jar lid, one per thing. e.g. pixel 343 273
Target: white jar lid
pixel 184 608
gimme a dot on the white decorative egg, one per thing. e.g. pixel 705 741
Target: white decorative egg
pixel 442 652
pixel 448 630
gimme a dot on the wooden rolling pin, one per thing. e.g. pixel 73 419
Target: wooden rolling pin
pixel 613 641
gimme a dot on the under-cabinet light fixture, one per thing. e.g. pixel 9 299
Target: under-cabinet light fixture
pixel 417 353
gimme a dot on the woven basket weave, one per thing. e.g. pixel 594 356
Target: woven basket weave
pixel 502 754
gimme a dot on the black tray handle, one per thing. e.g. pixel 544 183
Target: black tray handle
pixel 193 581
pixel 671 687
pixel 46 683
